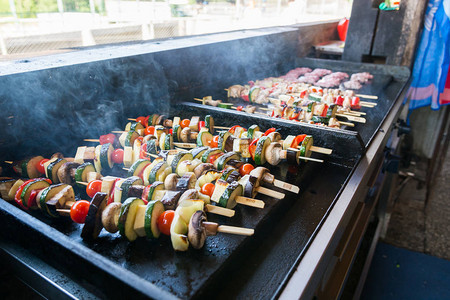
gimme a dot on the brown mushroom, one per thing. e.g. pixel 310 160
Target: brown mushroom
pixel 110 217
pixel 273 153
pixel 197 231
pixel 263 174
pixel 170 183
pixel 275 136
pixel 66 173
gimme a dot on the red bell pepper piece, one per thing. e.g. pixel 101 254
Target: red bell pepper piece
pixel 303 94
pixel 298 140
pixel 111 195
pixel 355 103
pixel 171 130
pixel 339 100
pixel 294 116
pixel 269 131
pixel 245 98
pixel 233 129
pixel 239 108
pixel 324 111
pixel 252 148
pixel 201 124
pixel 146 121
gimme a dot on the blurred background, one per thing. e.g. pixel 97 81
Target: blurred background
pixel 31 27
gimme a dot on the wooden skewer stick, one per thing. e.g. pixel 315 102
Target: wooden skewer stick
pixel 347 123
pixel 63 212
pixel 151 155
pixel 367 104
pixel 352 118
pixel 250 202
pixel 131 119
pixel 367 96
pixel 186 145
pixel 9 162
pixel 219 210
pixel 92 140
pixel 235 230
pixel 82 183
pixel 118 131
pixel 321 150
pixel 69 204
pixel 222 127
pixel 270 193
pixel 126 169
pixel 307 158
pixel 354 113
pixel 286 186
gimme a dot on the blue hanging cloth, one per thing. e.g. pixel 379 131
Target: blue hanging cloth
pixel 432 59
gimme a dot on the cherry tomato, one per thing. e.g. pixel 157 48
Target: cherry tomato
pixel 142 121
pixel 245 169
pixel 79 211
pixel 269 131
pixel 208 189
pixel 117 156
pixel 40 166
pixel 239 108
pixel 93 187
pixel 165 220
pixel 149 130
pixel 214 142
pixel 107 138
pixel 185 123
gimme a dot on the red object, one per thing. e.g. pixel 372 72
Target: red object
pixel 149 130
pixel 40 166
pixel 201 124
pixel 245 98
pixel 185 123
pixel 93 187
pixel 245 169
pixel 117 156
pixel 302 94
pixel 269 131
pixel 208 189
pixel 146 121
pixel 79 211
pixel 32 199
pixel 214 142
pixel 107 138
pixel 342 28
pixel 355 103
pixel 165 220
pixel 294 116
pixel 111 195
pixel 170 131
pixel 142 121
pixel 233 129
pixel 18 195
pixel 298 140
pixel 239 108
pixel 324 111
pixel 252 148
pixel 339 100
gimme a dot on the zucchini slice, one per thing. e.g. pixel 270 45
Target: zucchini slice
pixel 106 151
pixel 53 167
pixel 47 194
pixel 222 160
pixel 224 142
pixel 198 152
pixel 133 126
pixel 152 146
pixel 179 157
pixel 176 131
pixel 227 199
pixel 15 187
pixel 251 131
pixel 260 151
pixel 157 172
pixel 305 148
pixel 125 186
pixel 82 171
pixel 204 138
pixel 138 167
pixel 155 186
pixel 37 184
pixel 212 151
pixel 209 123
pixel 127 218
pixel 130 137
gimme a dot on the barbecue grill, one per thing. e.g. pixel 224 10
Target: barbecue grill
pixel 50 104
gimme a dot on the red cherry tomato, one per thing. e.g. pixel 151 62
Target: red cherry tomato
pixel 79 211
pixel 165 220
pixel 185 123
pixel 214 142
pixel 142 121
pixel 208 189
pixel 93 187
pixel 107 138
pixel 239 108
pixel 117 156
pixel 342 28
pixel 40 166
pixel 245 169
pixel 150 130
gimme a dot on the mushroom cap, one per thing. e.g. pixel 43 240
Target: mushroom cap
pixel 197 231
pixel 272 153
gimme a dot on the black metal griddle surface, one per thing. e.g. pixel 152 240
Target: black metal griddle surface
pixel 226 260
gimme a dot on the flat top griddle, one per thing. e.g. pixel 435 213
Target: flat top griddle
pixel 198 273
